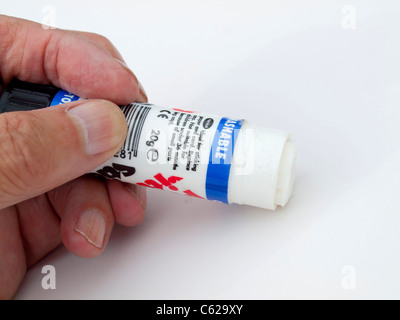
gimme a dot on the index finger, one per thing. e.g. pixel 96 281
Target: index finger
pixel 66 59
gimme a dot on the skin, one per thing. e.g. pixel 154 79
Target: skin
pixel 44 154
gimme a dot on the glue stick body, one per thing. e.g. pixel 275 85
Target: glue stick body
pixel 197 154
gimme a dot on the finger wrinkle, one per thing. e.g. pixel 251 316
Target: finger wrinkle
pixel 41 52
pixel 11 182
pixel 10 38
pixel 8 30
pixel 28 51
pixel 51 49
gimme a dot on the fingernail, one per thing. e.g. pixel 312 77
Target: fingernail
pixel 142 93
pixel 92 226
pixel 102 124
pixel 125 66
pixel 139 193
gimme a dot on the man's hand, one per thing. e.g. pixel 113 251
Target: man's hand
pixel 45 198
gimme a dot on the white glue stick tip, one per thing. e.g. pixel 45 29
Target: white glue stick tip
pixel 263 165
pixel 284 186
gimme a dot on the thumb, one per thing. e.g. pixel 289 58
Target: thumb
pixel 42 149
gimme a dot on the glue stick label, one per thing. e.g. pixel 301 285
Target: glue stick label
pixel 175 150
pixel 63 96
pixel 172 149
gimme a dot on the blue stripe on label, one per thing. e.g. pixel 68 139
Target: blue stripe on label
pixel 63 96
pixel 220 161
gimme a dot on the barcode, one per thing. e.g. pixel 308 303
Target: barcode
pixel 135 116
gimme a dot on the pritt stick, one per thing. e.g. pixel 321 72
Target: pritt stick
pixel 197 154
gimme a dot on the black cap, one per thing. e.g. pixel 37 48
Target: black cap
pixel 23 96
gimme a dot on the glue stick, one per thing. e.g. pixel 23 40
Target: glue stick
pixel 198 154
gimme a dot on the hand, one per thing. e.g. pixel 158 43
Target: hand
pixel 45 198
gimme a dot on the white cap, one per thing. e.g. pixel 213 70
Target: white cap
pixel 263 165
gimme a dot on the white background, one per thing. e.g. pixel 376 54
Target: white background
pixel 328 72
